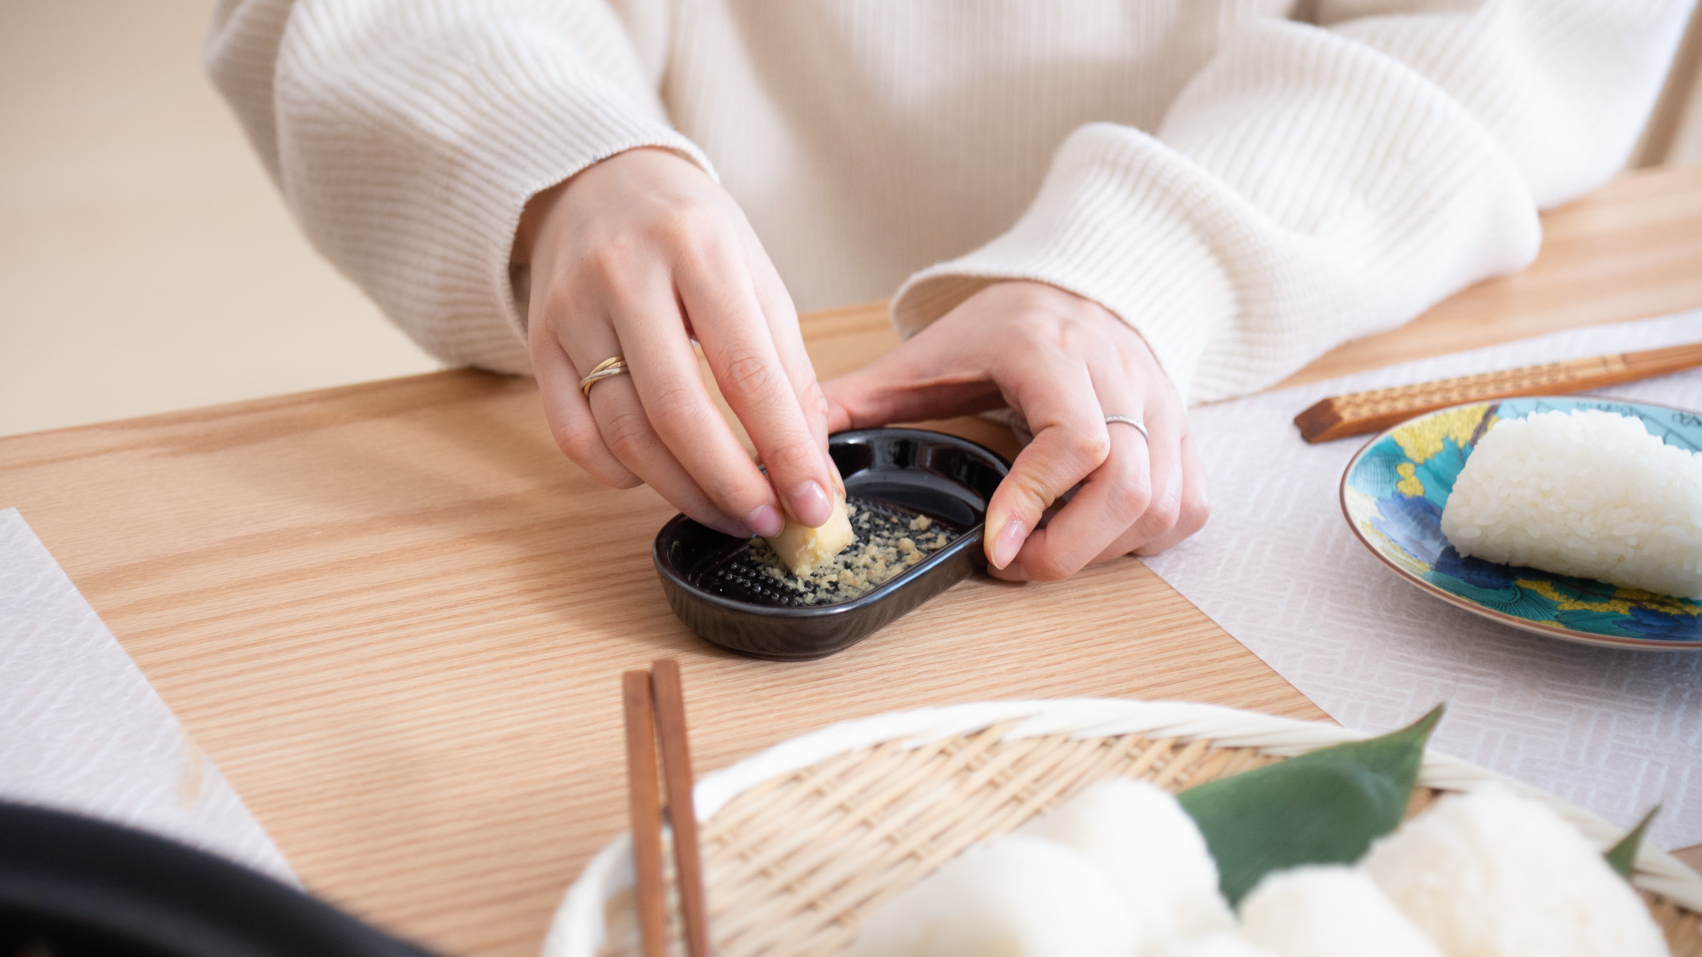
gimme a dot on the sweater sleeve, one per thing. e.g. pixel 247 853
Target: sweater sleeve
pixel 1316 182
pixel 408 135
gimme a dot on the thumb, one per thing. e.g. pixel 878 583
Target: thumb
pixel 918 380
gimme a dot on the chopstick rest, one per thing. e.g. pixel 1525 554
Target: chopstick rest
pixel 1357 413
pixel 654 704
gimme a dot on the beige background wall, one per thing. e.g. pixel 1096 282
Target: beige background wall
pixel 146 263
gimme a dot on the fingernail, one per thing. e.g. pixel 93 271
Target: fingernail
pixel 735 529
pixel 810 504
pixel 1007 543
pixel 765 521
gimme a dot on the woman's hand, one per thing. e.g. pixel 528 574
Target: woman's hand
pixel 1063 363
pixel 637 256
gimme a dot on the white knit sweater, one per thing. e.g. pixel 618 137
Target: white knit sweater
pixel 1247 182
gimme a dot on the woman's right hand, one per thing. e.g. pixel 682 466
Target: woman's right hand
pixel 638 255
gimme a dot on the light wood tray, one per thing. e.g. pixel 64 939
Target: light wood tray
pixel 803 839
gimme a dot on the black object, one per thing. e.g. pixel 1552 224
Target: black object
pixel 723 597
pixel 73 886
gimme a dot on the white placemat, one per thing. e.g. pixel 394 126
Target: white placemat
pixel 1612 731
pixel 82 730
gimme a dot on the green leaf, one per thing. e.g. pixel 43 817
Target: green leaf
pixel 1322 807
pixel 1622 857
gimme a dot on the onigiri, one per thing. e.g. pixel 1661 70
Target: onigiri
pixel 1221 944
pixel 1328 911
pixel 1587 493
pixel 1158 860
pixel 1014 896
pixel 1493 874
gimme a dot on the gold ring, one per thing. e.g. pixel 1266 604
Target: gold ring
pixel 613 365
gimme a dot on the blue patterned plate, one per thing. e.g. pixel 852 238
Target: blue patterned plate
pixel 1393 492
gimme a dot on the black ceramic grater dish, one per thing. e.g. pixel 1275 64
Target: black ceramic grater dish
pixel 894 475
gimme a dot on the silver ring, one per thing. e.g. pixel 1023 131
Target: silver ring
pixel 1129 420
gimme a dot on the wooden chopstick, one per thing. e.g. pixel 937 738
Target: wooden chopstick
pixel 1357 413
pixel 654 703
pixel 645 800
pixel 682 812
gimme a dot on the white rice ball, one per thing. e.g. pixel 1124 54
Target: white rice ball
pixel 1154 852
pixel 1492 874
pixel 1015 896
pixel 1222 944
pixel 1328 911
pixel 1587 493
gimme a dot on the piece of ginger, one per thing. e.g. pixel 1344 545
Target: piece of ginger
pixel 802 548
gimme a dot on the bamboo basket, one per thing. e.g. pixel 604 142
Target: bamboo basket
pixel 803 839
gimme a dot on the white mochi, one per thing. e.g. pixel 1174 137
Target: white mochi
pixel 1015 896
pixel 1493 874
pixel 1155 855
pixel 1328 911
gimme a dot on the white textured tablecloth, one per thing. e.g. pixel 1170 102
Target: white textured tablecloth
pixel 1611 731
pixel 82 730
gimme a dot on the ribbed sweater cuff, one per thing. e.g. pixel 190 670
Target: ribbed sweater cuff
pixel 541 138
pixel 412 168
pixel 1118 221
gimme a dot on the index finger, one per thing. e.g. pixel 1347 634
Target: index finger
pixel 720 300
pixel 704 458
pixel 1057 398
pixel 783 327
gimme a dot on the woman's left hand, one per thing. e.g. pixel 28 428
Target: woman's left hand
pixel 1064 364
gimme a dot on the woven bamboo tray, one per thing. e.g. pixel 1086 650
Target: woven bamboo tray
pixel 804 838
